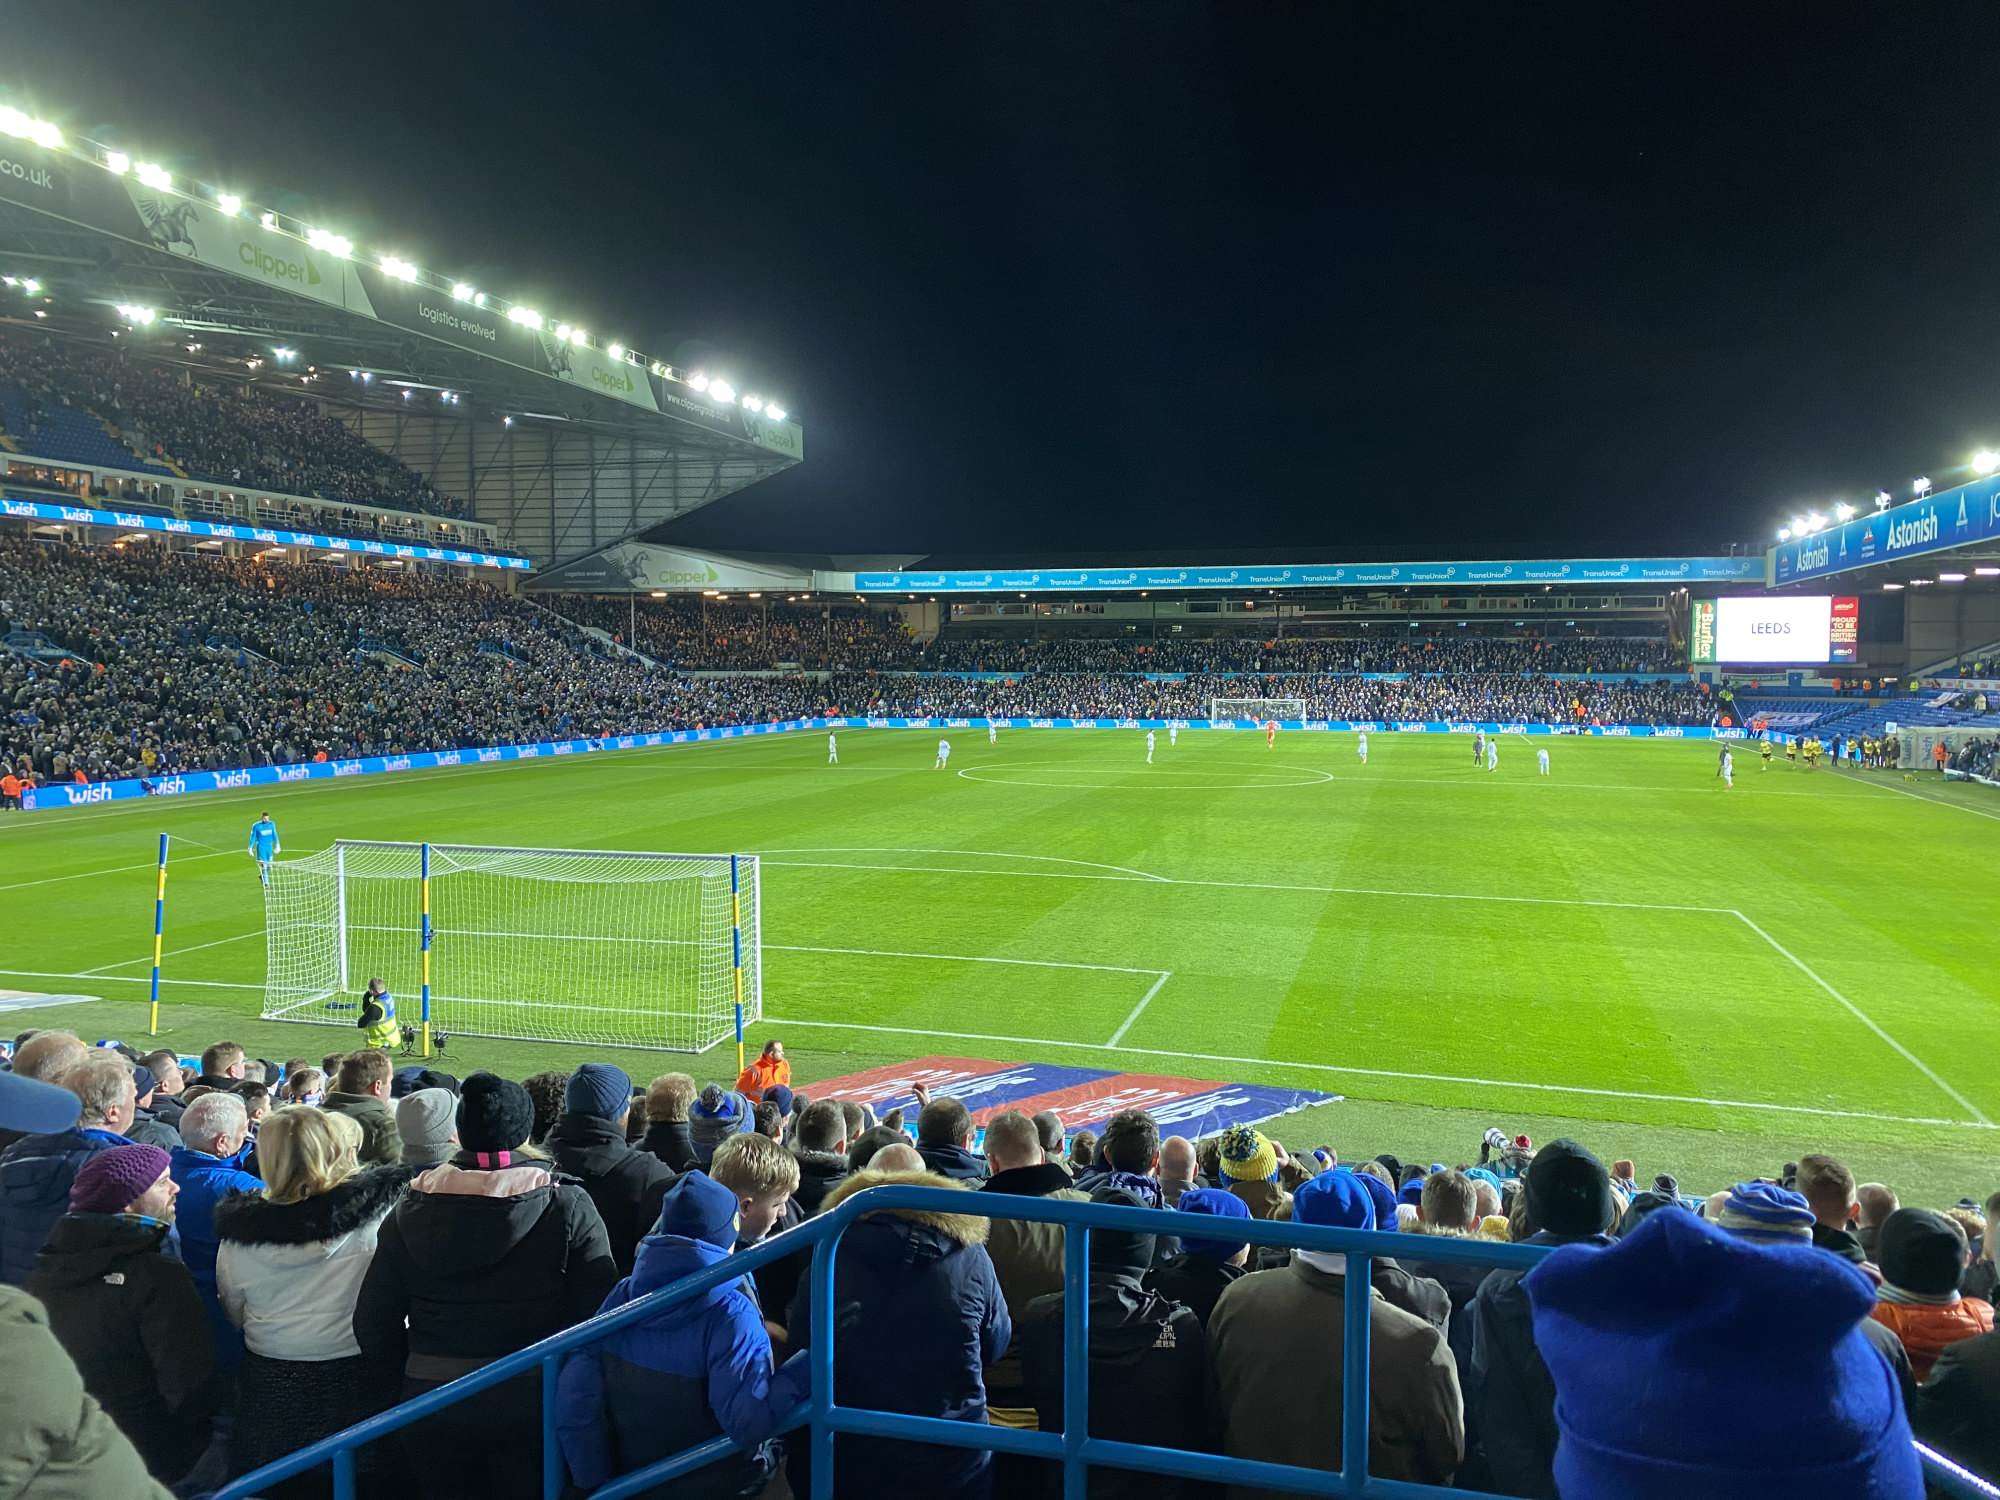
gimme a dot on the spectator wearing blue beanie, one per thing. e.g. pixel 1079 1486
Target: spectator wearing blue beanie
pixel 1205 1266
pixel 1689 1359
pixel 588 1141
pixel 714 1117
pixel 1275 1341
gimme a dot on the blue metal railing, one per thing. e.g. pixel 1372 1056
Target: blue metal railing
pixel 1073 1448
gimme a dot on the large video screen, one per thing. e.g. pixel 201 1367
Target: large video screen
pixel 1803 630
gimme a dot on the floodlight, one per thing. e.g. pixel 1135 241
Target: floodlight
pixel 396 266
pixel 753 403
pixel 268 219
pixel 31 286
pixel 775 413
pixel 229 203
pixel 117 163
pixel 506 421
pixel 1922 487
pixel 527 317
pixel 1985 461
pixel 44 134
pixel 562 332
pixel 1842 511
pixel 698 381
pixel 12 121
pixel 1951 578
pixel 616 351
pixel 721 390
pixel 155 176
pixel 1816 521
pixel 1881 499
pixel 1889 588
pixel 461 291
pixel 1799 526
pixel 1987 572
pixel 1784 533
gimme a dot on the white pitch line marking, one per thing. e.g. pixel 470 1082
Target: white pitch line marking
pixel 151 864
pixel 172 952
pixel 1054 859
pixel 207 984
pixel 1492 1083
pixel 1866 1020
pixel 1138 1010
pixel 1903 791
pixel 966 958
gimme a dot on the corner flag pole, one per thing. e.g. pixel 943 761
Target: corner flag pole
pixel 736 950
pixel 424 867
pixel 159 931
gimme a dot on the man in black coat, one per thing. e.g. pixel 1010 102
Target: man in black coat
pixel 820 1144
pixel 668 1135
pixel 588 1143
pixel 944 1139
pixel 1958 1408
pixel 1511 1399
pixel 1148 1359
pixel 126 1309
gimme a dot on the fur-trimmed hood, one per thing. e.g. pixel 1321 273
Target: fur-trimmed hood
pixel 965 1229
pixel 252 1219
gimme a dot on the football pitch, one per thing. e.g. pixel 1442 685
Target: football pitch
pixel 1710 982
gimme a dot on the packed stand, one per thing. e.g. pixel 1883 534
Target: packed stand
pixel 235 1258
pixel 965 649
pixel 719 635
pixel 224 433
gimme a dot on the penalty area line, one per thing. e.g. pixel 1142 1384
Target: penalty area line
pixel 1489 1083
pixel 1138 1010
pixel 1866 1020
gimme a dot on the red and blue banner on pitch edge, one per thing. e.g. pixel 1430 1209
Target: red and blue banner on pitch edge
pixel 1082 1098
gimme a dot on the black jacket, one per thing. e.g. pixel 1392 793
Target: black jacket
pixel 954 1162
pixel 1148 1377
pixel 1511 1397
pixel 673 1143
pixel 1842 1242
pixel 820 1172
pixel 624 1182
pixel 920 1316
pixel 1958 1409
pixel 480 1264
pixel 126 1310
pixel 1194 1281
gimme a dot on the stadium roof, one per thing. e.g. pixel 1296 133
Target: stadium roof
pixel 94 238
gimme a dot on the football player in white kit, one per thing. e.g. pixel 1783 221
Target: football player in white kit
pixel 832 750
pixel 1542 761
pixel 1725 770
pixel 944 754
pixel 992 733
pixel 1173 735
pixel 1149 747
pixel 1493 753
pixel 1361 747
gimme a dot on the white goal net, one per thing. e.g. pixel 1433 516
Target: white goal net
pixel 1263 710
pixel 560 945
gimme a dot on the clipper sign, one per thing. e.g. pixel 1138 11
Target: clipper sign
pixel 1970 513
pixel 21 509
pixel 1633 570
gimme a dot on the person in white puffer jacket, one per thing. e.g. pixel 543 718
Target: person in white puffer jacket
pixel 288 1271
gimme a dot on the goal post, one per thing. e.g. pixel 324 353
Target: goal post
pixel 1263 710
pixel 617 947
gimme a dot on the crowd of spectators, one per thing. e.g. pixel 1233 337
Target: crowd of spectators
pixel 225 432
pixel 712 635
pixel 162 662
pixel 230 1276
pixel 1979 757
pixel 966 649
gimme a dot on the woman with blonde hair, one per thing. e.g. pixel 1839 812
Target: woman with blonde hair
pixel 289 1269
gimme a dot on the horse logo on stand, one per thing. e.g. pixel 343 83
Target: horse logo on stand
pixel 167 227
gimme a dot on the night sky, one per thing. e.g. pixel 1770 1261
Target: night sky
pixel 1422 280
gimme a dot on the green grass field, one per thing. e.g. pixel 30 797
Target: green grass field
pixel 1709 982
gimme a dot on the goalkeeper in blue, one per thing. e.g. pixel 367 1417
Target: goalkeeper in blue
pixel 264 845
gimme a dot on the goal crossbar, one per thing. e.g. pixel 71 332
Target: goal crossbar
pixel 628 947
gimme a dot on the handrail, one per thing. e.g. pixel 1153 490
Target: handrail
pixel 1073 1448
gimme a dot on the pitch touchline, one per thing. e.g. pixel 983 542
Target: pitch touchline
pixel 1494 1083
pixel 1138 1010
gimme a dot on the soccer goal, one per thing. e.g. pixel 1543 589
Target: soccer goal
pixel 557 945
pixel 1263 710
